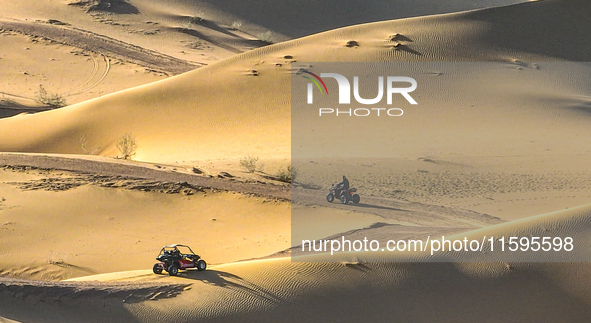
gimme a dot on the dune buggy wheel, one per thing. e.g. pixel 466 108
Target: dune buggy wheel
pixel 344 198
pixel 356 198
pixel 330 197
pixel 201 265
pixel 157 269
pixel 173 270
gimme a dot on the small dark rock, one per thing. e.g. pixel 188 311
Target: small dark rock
pixel 56 22
pixel 197 170
pixel 225 175
pixel 352 43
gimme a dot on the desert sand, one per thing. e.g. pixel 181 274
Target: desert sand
pixel 81 227
pixel 265 73
pixel 357 288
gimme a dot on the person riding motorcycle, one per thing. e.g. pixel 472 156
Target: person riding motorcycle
pixel 342 186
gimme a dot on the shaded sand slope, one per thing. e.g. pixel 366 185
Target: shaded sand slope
pixel 246 98
pixel 88 298
pixel 82 54
pixel 301 18
pixel 359 288
pixel 352 293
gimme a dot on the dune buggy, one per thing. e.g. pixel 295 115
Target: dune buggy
pixel 177 257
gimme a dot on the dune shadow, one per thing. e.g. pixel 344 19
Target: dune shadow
pixel 224 30
pixel 407 49
pixel 125 8
pixel 380 207
pixel 257 42
pixel 7 113
pixel 230 281
pixel 9 108
pixel 583 107
pixel 212 277
pixel 9 104
pixel 552 38
pixel 214 26
pixel 195 33
pixel 362 267
pixel 306 186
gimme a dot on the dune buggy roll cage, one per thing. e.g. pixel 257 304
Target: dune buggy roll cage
pixel 175 247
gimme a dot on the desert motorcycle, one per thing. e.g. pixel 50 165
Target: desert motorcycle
pixel 345 196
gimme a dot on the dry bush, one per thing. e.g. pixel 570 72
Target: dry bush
pixel 49 99
pixel 287 174
pixel 267 37
pixel 236 25
pixel 250 164
pixel 127 146
pixel 198 18
pixel 85 149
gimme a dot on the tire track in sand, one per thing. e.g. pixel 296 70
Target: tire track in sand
pixel 101 44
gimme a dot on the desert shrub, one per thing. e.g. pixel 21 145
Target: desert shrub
pixel 85 149
pixel 267 37
pixel 84 144
pixel 236 25
pixel 250 164
pixel 286 174
pixel 127 146
pixel 49 99
pixel 197 19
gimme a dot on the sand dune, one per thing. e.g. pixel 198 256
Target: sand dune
pixel 255 91
pixel 81 54
pixel 88 297
pixel 103 230
pixel 159 27
pixel 285 19
pixel 302 18
pixel 359 288
pixel 76 226
pixel 249 100
pixel 101 44
pixel 28 62
pixel 98 169
pixel 408 292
